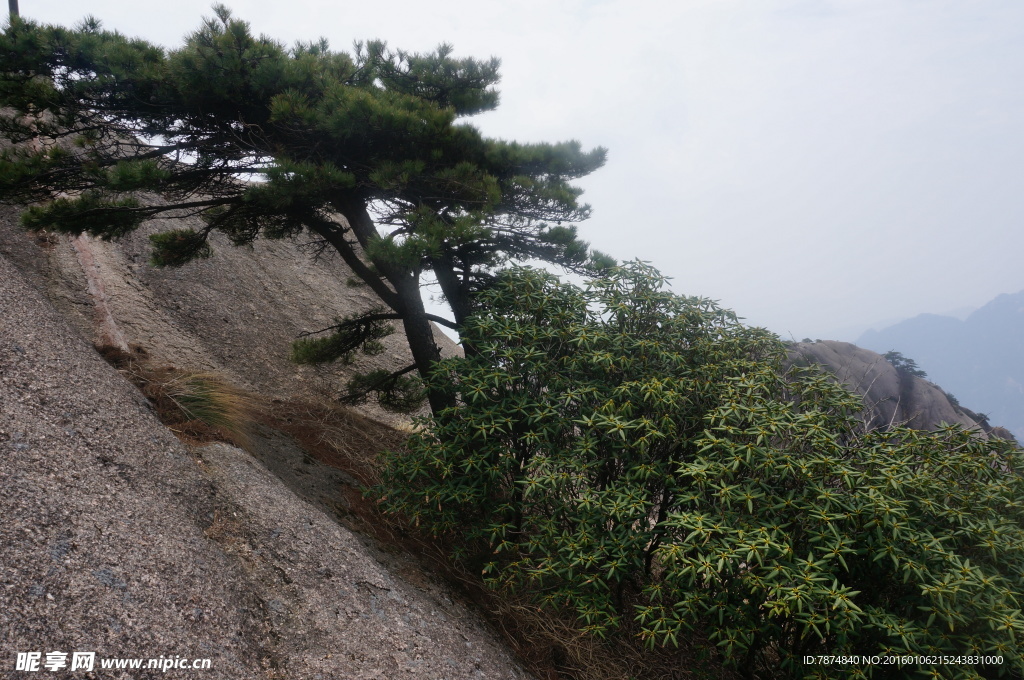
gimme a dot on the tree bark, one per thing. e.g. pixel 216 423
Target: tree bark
pixel 408 302
pixel 425 352
pixel 453 291
pixel 336 238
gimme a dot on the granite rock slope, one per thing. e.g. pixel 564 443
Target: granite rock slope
pixel 119 541
pixel 980 359
pixel 890 397
pixel 235 313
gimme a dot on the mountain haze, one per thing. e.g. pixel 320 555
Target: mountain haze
pixel 980 360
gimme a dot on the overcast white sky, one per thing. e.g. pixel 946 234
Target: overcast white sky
pixel 818 166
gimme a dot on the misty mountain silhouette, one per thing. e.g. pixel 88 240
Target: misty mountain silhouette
pixel 980 360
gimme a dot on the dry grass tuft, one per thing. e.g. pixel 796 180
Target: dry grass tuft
pixel 206 399
pixel 199 406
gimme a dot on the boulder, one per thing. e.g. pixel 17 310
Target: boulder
pixel 891 397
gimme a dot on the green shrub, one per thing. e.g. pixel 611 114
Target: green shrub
pixel 638 459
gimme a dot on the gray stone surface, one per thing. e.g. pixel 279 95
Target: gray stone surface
pixel 236 313
pixel 890 397
pixel 116 540
pixel 325 592
pixel 102 509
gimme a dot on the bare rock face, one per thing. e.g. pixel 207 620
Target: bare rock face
pixel 236 313
pixel 337 612
pixel 101 553
pixel 119 541
pixel 890 397
pixel 980 358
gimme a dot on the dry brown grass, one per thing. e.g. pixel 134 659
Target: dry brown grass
pixel 335 434
pixel 225 529
pixel 198 406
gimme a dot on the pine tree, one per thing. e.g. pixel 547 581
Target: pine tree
pixel 366 152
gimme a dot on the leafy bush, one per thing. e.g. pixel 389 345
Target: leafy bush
pixel 638 459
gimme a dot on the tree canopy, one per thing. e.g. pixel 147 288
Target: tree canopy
pixel 366 151
pixel 904 365
pixel 642 462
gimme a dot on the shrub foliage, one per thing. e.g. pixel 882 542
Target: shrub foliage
pixel 641 461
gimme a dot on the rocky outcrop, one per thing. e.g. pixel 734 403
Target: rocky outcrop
pixel 891 397
pixel 119 540
pixel 980 359
pixel 236 313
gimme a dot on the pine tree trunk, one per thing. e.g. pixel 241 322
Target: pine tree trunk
pixel 409 303
pixel 425 352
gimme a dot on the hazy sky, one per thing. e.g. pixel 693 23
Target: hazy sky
pixel 817 166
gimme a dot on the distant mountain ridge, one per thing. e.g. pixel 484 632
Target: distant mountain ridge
pixel 980 360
